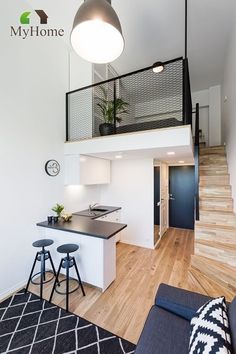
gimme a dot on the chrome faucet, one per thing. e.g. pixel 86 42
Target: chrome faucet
pixel 92 206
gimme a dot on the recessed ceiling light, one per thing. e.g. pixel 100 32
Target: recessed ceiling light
pixel 118 156
pixel 171 153
pixel 158 67
pixel 181 161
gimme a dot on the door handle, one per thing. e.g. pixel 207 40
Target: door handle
pixel 158 204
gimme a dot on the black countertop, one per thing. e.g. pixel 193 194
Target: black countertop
pixel 88 225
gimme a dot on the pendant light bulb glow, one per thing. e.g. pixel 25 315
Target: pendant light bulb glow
pixel 96 35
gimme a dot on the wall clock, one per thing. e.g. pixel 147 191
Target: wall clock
pixel 52 168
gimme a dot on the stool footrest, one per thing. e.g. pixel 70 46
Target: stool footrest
pixel 69 292
pixel 44 281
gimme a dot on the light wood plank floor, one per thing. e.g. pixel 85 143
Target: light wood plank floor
pixel 123 308
pixel 156 233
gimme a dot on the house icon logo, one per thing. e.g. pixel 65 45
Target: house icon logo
pixel 25 17
pixel 35 30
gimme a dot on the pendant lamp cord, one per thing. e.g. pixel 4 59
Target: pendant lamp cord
pixel 186 29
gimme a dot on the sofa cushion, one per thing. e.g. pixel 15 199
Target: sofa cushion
pixel 232 323
pixel 164 332
pixel 183 311
pixel 210 329
pixel 181 297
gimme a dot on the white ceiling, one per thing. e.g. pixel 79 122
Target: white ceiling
pixel 183 153
pixel 154 30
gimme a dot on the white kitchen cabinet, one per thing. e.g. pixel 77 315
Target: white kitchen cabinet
pixel 115 216
pixel 86 170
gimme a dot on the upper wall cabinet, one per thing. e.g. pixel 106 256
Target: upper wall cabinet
pixel 86 170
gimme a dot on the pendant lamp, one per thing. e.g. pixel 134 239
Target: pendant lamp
pixel 96 34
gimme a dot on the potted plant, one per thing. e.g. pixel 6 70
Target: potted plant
pixel 107 108
pixel 58 208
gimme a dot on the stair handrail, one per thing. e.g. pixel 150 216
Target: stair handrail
pixel 196 159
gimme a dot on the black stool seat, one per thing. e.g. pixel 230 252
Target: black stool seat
pixel 67 248
pixel 43 243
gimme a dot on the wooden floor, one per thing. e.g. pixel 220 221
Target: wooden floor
pixel 156 233
pixel 124 306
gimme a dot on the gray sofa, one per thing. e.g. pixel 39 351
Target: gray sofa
pixel 166 333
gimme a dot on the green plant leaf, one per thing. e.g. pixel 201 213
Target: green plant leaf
pixel 109 107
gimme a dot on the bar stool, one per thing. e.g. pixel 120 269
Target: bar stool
pixel 41 256
pixel 67 263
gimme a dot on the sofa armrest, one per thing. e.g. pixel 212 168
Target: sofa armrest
pixel 181 296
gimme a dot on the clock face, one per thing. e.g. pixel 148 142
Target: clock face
pixel 52 168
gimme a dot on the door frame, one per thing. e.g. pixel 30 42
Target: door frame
pixel 163 184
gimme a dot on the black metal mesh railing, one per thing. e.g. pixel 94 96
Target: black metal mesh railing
pixel 134 102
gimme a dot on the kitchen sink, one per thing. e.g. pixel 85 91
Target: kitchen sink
pixel 92 213
pixel 99 209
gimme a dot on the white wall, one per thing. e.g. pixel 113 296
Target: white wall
pixel 210 113
pixel 34 78
pixel 215 115
pixel 79 197
pixel 229 110
pixel 132 188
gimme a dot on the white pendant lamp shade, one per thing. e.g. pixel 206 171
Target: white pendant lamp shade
pixel 97 35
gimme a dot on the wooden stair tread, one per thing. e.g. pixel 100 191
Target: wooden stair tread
pixel 213 167
pixel 219 245
pixel 212 171
pixel 216 186
pixel 212 162
pixel 212 148
pixel 216 203
pixel 226 175
pixel 222 254
pixel 213 155
pixel 211 226
pixel 214 180
pixel 216 198
pixel 219 214
pixel 214 217
pixel 215 191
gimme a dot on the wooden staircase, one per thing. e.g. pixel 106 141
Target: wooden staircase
pixel 213 264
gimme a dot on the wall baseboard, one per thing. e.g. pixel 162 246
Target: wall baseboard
pixel 5 294
pixel 133 243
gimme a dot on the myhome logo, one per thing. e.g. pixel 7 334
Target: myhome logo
pixel 24 32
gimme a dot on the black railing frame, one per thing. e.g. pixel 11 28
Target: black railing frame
pixel 196 160
pixel 187 101
pixel 114 105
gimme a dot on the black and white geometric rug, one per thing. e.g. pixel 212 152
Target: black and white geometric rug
pixel 29 325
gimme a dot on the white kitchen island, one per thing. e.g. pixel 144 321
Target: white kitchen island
pixel 96 257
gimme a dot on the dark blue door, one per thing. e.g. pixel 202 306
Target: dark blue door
pixel 181 202
pixel 156 195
